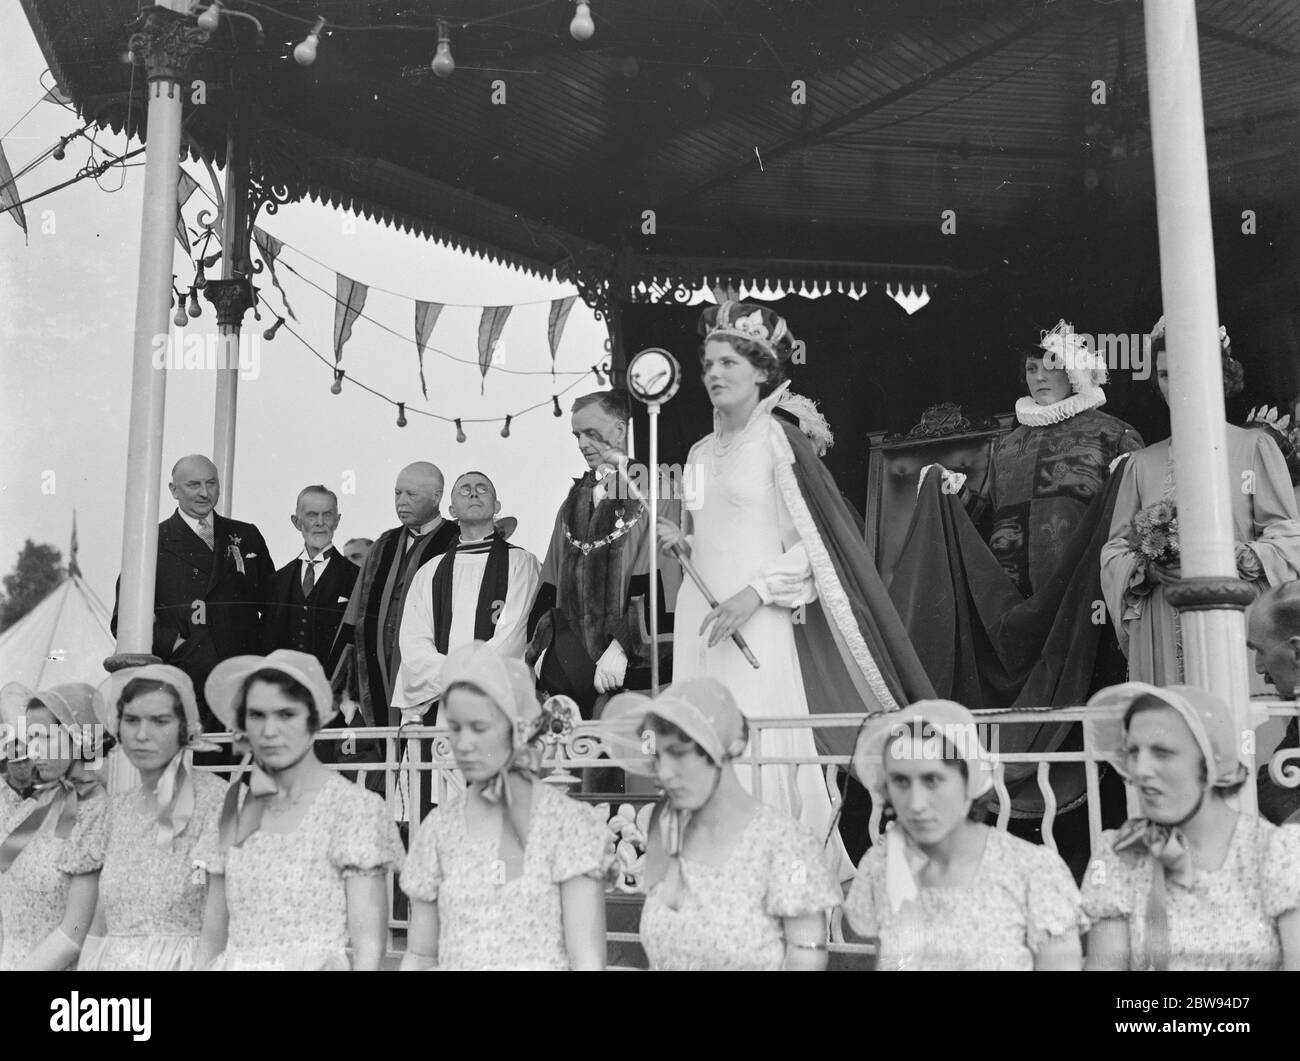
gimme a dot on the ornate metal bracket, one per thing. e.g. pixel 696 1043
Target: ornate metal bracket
pixel 595 274
pixel 232 299
pixel 164 42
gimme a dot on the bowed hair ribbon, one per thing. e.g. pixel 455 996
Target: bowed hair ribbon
pixel 1168 847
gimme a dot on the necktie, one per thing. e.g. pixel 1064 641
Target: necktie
pixel 309 579
pixel 205 532
pixel 411 540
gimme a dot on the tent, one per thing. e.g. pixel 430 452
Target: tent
pixel 65 638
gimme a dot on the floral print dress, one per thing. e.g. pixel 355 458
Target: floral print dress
pixel 34 890
pixel 151 898
pixel 286 892
pixel 730 915
pixel 1021 898
pixel 1227 919
pixel 486 921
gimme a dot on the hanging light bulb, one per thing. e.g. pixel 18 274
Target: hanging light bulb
pixel 337 386
pixel 211 17
pixel 200 277
pixel 581 28
pixel 195 310
pixel 401 414
pixel 460 432
pixel 269 334
pixel 59 153
pixel 180 320
pixel 505 431
pixel 443 64
pixel 600 376
pixel 257 316
pixel 555 406
pixel 305 53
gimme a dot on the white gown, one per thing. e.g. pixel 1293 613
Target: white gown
pixel 741 534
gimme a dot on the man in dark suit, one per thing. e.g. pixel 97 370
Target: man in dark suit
pixel 308 600
pixel 213 581
pixel 310 593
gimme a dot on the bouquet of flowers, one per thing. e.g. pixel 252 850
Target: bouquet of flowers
pixel 1155 533
pixel 628 827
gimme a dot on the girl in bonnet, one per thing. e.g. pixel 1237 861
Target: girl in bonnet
pixel 52 842
pixel 944 891
pixel 297 871
pixel 1193 882
pixel 151 902
pixel 731 883
pixel 510 873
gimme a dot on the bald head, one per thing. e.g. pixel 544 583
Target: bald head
pixel 195 486
pixel 1273 633
pixel 417 493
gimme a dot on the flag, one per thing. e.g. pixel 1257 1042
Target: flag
pixel 555 325
pixel 73 567
pixel 185 187
pixel 426 316
pixel 489 331
pixel 349 302
pixel 269 247
pixel 9 198
pixel 56 95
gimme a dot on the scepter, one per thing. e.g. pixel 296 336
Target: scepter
pixel 653 376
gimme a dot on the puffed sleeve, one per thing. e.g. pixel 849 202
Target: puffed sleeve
pixel 1053 905
pixel 1107 884
pixel 860 906
pixel 365 839
pixel 1274 517
pixel 1281 876
pixel 84 850
pixel 422 874
pixel 798 882
pixel 584 847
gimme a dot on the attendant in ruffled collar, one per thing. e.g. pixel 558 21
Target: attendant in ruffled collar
pixel 944 890
pixel 1045 472
pixel 297 870
pixel 150 911
pixel 53 841
pixel 1193 882
pixel 510 873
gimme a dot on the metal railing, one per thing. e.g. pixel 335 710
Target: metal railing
pixel 575 749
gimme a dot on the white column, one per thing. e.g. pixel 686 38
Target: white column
pixel 1214 638
pixel 163 42
pixel 227 391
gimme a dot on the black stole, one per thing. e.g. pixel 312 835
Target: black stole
pixel 491 593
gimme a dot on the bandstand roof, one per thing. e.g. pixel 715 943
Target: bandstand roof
pixel 684 107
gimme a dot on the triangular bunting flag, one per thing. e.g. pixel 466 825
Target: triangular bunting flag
pixel 9 198
pixel 555 324
pixel 426 316
pixel 185 187
pixel 269 247
pixel 350 301
pixel 489 331
pixel 55 95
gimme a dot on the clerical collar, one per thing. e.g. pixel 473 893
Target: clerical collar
pixel 1031 414
pixel 487 538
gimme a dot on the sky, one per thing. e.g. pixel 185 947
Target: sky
pixel 67 305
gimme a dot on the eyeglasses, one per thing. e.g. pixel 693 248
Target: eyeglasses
pixel 474 490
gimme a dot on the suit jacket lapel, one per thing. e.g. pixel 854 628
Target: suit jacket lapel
pixel 178 538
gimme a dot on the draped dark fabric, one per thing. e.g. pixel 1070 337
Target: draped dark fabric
pixel 986 645
pixel 491 595
pixel 827 671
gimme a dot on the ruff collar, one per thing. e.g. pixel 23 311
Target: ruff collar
pixel 1031 414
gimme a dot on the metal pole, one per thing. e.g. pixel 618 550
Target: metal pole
pixel 652 409
pixel 1211 597
pixel 234 243
pixel 164 41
